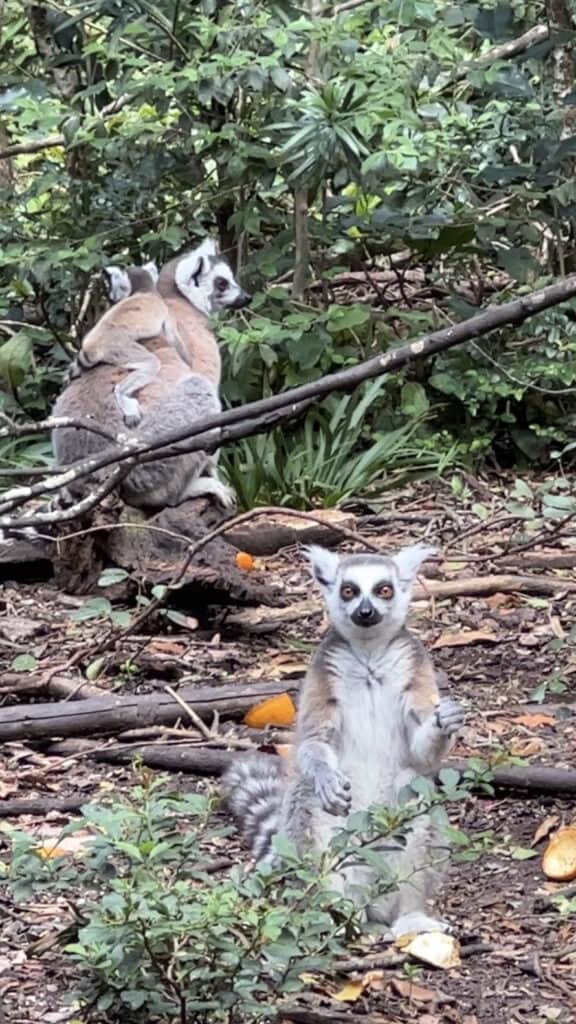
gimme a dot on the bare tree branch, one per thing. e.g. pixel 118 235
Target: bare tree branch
pixel 504 51
pixel 56 423
pixel 257 417
pixel 53 141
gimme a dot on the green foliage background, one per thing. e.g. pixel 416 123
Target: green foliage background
pixel 181 119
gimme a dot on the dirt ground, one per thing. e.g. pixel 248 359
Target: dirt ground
pixel 496 649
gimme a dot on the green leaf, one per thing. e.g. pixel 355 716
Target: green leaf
pixel 94 669
pixel 16 358
pixel 522 853
pixel 111 576
pixel 539 692
pixel 449 777
pixel 24 663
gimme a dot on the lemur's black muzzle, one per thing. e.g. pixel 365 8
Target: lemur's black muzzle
pixel 365 614
pixel 242 299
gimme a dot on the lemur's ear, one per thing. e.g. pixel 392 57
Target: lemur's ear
pixel 324 565
pixel 409 560
pixel 152 269
pixel 117 282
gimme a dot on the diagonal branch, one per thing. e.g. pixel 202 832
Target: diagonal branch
pixel 260 416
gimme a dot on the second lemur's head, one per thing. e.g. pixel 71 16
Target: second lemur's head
pixel 367 596
pixel 121 282
pixel 204 278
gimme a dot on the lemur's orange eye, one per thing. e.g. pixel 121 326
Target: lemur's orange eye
pixel 348 591
pixel 385 591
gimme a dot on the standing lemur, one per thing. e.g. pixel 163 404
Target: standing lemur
pixel 370 720
pixel 180 393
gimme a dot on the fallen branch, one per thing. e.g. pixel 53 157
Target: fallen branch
pixel 390 958
pixel 39 807
pixel 61 687
pixel 164 756
pixel 257 417
pixel 207 761
pixel 541 561
pixel 475 587
pixel 534 778
pixel 115 714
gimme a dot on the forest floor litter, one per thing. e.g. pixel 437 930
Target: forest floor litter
pixel 509 657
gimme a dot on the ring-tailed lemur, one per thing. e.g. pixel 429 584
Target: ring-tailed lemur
pixel 138 315
pixel 370 720
pixel 181 392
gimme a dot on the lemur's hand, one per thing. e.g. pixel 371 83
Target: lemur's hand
pixel 332 789
pixel 449 716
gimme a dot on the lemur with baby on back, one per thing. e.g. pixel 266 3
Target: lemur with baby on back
pixel 370 720
pixel 176 374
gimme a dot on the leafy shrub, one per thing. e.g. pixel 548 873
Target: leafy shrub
pixel 163 939
pixel 403 141
pixel 334 455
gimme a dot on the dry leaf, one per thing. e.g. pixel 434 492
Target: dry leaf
pixel 556 626
pixel 352 990
pixel 545 827
pixel 498 600
pixel 350 993
pixel 7 786
pixel 429 1018
pixel 165 646
pixel 559 860
pixel 410 990
pixel 469 636
pixel 278 710
pixel 435 948
pixel 527 748
pixel 77 843
pixel 309 979
pixel 534 721
pixel 286 664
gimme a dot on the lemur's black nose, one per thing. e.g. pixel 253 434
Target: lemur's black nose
pixel 243 299
pixel 365 614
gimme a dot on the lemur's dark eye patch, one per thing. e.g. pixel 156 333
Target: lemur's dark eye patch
pixel 385 591
pixel 221 284
pixel 348 591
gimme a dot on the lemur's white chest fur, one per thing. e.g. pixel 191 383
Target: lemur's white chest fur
pixel 370 693
pixel 371 743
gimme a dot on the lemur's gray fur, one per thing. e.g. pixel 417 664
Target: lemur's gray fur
pixel 370 719
pixel 192 286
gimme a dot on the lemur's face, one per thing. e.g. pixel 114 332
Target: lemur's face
pixel 367 596
pixel 206 279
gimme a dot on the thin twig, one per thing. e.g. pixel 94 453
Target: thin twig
pixel 200 725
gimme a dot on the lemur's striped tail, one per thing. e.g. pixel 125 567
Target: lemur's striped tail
pixel 253 789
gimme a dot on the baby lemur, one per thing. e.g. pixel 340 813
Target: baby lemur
pixel 370 720
pixel 138 314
